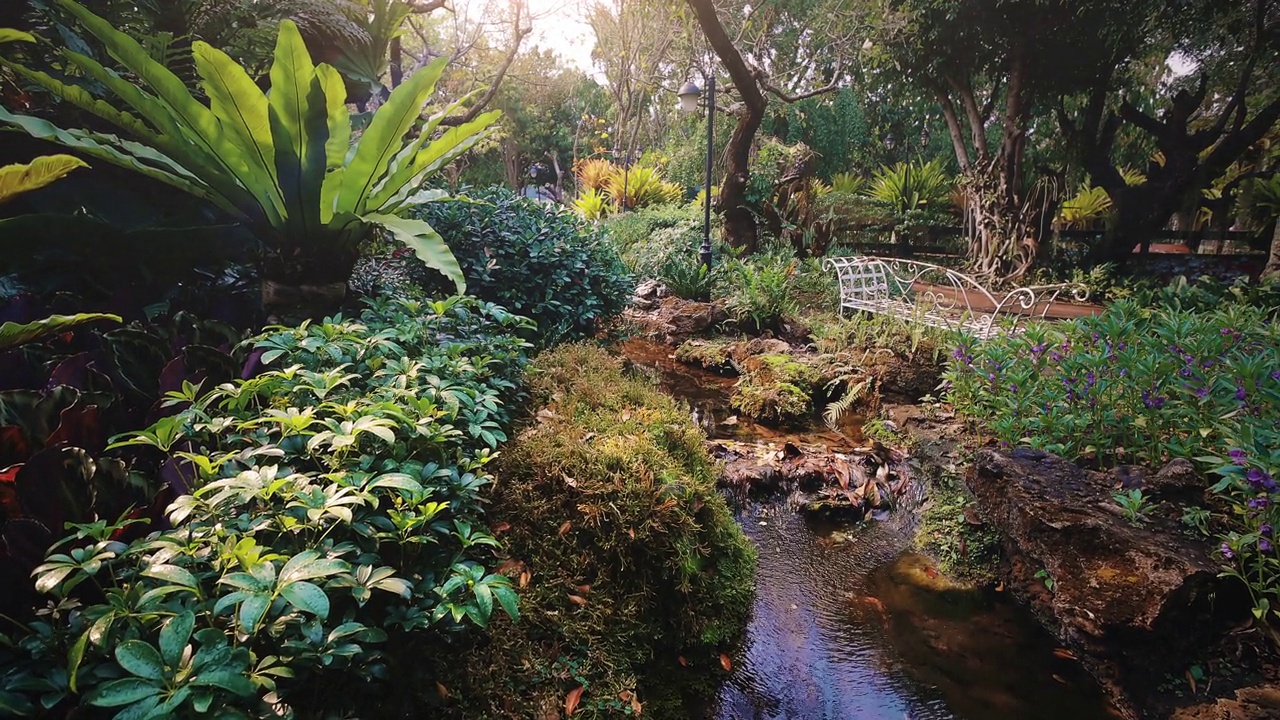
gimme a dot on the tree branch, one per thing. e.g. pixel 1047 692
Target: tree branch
pixel 787 98
pixel 476 108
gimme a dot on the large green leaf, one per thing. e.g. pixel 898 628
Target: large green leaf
pixel 440 152
pixel 300 129
pixel 85 100
pixel 17 179
pixel 11 35
pixel 241 109
pixel 425 242
pixel 338 149
pixel 385 137
pixel 13 334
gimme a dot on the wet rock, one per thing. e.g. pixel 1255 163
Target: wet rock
pixel 901 378
pixel 671 319
pixel 1252 703
pixel 739 352
pixel 1122 597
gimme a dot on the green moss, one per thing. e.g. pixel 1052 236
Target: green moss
pixel 963 550
pixel 711 355
pixel 776 388
pixel 610 498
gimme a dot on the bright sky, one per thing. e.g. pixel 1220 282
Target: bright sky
pixel 557 26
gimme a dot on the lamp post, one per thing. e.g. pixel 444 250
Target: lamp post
pixel 689 95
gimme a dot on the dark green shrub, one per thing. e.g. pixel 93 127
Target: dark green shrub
pixel 536 260
pixel 333 525
pixel 630 564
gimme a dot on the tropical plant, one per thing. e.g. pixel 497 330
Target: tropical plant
pixel 313 539
pixel 18 178
pixel 281 164
pixel 1086 206
pixel 13 334
pixel 592 204
pixel 903 187
pixel 847 182
pixel 759 293
pixel 637 187
pixel 593 173
pixel 364 58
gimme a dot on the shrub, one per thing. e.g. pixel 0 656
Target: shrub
pixel 333 522
pixel 1148 385
pixel 536 260
pixel 630 564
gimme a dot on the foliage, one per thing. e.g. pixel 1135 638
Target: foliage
pixel 333 516
pixel 18 178
pixel 1133 504
pixel 279 164
pixel 363 57
pixel 632 573
pixel 849 183
pixel 1085 207
pixel 13 334
pixel 536 260
pixel 647 237
pixel 1206 294
pixel 594 174
pixel 759 292
pixel 775 389
pixel 640 186
pixel 1148 385
pixel 592 205
pixel 905 187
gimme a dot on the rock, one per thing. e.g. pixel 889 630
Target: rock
pixel 1123 598
pixel 758 346
pixel 1251 703
pixel 1176 480
pixel 671 319
pixel 650 290
pixel 1127 477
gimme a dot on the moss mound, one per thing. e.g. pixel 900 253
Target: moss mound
pixel 776 388
pixel 633 575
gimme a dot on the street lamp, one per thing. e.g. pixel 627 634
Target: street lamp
pixel 689 95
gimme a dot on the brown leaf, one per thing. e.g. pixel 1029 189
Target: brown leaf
pixel 1191 680
pixel 442 691
pixel 577 599
pixel 568 480
pixel 584 589
pixel 726 663
pixel 635 706
pixel 1058 677
pixel 1000 587
pixel 524 579
pixel 564 529
pixel 1064 653
pixel 683 662
pixel 632 533
pixel 571 700
pixel 500 528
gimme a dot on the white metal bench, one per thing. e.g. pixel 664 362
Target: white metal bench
pixel 940 297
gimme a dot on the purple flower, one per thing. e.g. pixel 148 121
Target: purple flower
pixel 1202 392
pixel 1275 375
pixel 1226 551
pixel 1013 387
pixel 1259 503
pixel 1260 480
pixel 1055 356
pixel 1226 331
pixel 1265 529
pixel 1237 456
pixel 1264 545
pixel 1124 372
pixel 1090 378
pixel 1185 372
pixel 1241 394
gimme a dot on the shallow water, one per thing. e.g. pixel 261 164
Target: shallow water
pixel 850 625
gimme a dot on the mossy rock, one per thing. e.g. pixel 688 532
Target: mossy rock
pixel 713 355
pixel 776 388
pixel 633 574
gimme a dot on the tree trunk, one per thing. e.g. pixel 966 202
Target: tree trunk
pixel 1272 270
pixel 740 229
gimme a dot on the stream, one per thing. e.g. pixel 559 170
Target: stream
pixel 849 624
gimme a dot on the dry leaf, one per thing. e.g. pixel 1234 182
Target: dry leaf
pixel 1064 653
pixel 1057 677
pixel 1000 587
pixel 584 589
pixel 564 529
pixel 683 662
pixel 1191 680
pixel 569 481
pixel 443 691
pixel 577 599
pixel 571 700
pixel 726 663
pixel 524 579
pixel 632 533
pixel 500 528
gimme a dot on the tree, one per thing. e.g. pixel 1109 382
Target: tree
pixel 1208 119
pixel 786 52
pixel 991 67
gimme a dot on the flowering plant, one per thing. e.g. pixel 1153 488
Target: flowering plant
pixel 1147 385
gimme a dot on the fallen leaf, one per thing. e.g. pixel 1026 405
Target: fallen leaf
pixel 1057 677
pixel 930 572
pixel 683 662
pixel 1000 587
pixel 524 579
pixel 731 420
pixel 584 589
pixel 571 700
pixel 631 532
pixel 442 691
pixel 1064 653
pixel 725 662
pixel 635 706
pixel 1191 681
pixel 569 481
pixel 500 528
pixel 564 529
pixel 577 599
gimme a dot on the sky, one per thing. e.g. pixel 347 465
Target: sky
pixel 557 26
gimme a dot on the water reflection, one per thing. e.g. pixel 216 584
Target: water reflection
pixel 848 627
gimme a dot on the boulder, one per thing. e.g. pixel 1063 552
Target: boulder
pixel 671 319
pixel 1123 597
pixel 1251 703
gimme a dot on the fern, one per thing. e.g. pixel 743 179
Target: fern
pixel 857 387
